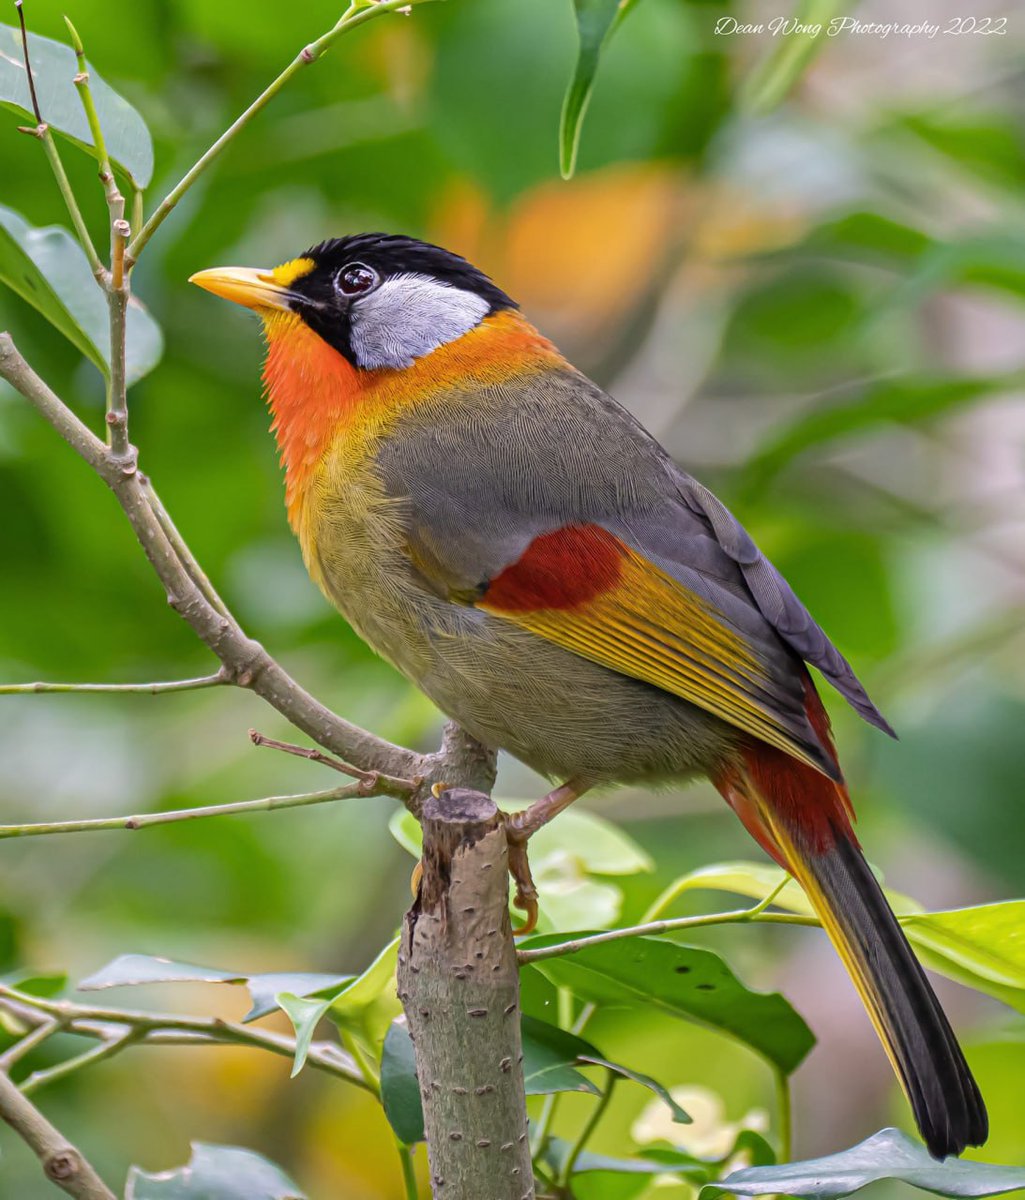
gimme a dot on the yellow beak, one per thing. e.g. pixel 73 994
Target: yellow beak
pixel 244 285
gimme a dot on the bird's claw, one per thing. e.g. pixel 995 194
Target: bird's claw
pixel 525 896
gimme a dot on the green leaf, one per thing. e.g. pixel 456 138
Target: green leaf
pixel 54 68
pixel 770 81
pixel 888 1154
pixel 400 1091
pixel 758 880
pixel 130 970
pixel 305 1015
pixel 655 1162
pixel 685 981
pixel 36 983
pixel 594 22
pixel 549 1058
pixel 366 1006
pixel 679 1115
pixel 27 255
pixel 215 1173
pixel 982 947
pixel 48 269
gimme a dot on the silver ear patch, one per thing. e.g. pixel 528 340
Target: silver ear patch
pixel 408 316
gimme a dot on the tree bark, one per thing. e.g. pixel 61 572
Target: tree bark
pixel 459 985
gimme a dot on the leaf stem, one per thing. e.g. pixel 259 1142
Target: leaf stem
pixel 350 19
pixel 408 1170
pixel 219 679
pixel 99 271
pixel 584 1136
pixel 784 1115
pixel 85 94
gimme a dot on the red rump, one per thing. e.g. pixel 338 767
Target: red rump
pixel 802 797
pixel 563 569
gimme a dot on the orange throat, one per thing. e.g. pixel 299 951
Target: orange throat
pixel 312 390
pixel 317 397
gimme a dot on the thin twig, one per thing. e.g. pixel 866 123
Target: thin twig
pixel 370 778
pixel 309 54
pixel 172 1029
pixel 28 65
pixel 738 916
pixel 29 1042
pixel 85 94
pixel 100 272
pixel 62 1163
pixel 219 679
pixel 42 132
pixel 245 661
pixel 145 820
pixel 105 1049
pixel 117 290
pixel 181 548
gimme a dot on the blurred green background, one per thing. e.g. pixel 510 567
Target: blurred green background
pixel 818 309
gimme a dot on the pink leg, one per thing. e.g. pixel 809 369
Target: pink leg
pixel 519 828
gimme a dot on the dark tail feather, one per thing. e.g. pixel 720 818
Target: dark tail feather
pixel 803 819
pixel 944 1096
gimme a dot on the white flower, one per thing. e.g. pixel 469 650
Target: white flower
pixel 710 1135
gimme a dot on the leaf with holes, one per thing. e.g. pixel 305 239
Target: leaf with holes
pixel 215 1173
pixel 685 981
pixel 54 68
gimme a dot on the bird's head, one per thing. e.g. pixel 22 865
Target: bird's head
pixel 379 299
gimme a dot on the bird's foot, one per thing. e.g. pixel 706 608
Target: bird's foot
pixel 519 828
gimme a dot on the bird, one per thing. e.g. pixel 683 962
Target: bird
pixel 515 543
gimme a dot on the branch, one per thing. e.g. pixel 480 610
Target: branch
pixel 167 1029
pixel 459 987
pixel 368 785
pixel 245 662
pixel 309 54
pixel 62 1163
pixel 740 916
pixel 42 131
pixel 150 689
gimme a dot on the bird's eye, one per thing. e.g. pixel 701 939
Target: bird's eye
pixel 356 279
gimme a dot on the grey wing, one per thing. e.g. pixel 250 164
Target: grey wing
pixel 533 457
pixel 776 599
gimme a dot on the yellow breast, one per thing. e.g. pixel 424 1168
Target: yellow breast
pixel 329 418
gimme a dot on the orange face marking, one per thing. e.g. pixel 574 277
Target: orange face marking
pixel 318 399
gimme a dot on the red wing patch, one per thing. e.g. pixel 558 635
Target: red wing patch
pixel 564 569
